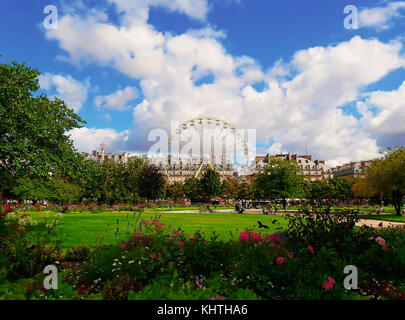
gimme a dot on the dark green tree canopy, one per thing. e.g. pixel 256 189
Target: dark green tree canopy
pixel 211 183
pixel 280 180
pixel 33 128
pixel 386 177
pixel 192 188
pixel 151 183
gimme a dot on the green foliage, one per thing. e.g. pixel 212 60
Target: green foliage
pixel 229 188
pixel 150 182
pixel 32 189
pixel 280 180
pixel 192 188
pixel 386 177
pixel 175 191
pixel 29 246
pixel 210 183
pixel 63 191
pixel 33 127
pixel 332 230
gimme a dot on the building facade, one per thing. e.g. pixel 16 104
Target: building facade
pixel 311 170
pixel 351 170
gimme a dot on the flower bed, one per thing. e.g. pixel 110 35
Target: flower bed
pixel 306 261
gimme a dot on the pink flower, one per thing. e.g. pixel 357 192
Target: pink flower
pixel 181 243
pixel 280 261
pixel 153 256
pixel 138 235
pixel 329 283
pixel 256 237
pixel 275 238
pixel 380 241
pixel 191 238
pixel 244 236
pixel 290 255
pixel 311 249
pixel 123 244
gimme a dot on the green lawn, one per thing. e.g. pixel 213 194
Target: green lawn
pixel 385 217
pixel 87 229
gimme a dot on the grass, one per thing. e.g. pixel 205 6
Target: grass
pixel 88 229
pixel 384 217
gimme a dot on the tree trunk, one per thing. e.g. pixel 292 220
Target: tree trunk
pixel 397 201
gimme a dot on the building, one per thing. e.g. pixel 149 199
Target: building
pixel 351 170
pixel 100 157
pixel 312 170
pixel 179 170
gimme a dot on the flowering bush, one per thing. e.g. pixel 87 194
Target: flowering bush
pixel 29 246
pixel 306 261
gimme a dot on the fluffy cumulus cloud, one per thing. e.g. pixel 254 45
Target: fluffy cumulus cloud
pixel 89 139
pixel 192 74
pixel 381 17
pixel 138 9
pixel 118 100
pixel 384 115
pixel 72 91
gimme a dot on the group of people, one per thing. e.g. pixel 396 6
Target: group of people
pixel 268 209
pixel 241 205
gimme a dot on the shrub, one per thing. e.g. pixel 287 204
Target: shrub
pixel 119 288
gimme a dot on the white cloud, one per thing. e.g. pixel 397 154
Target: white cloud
pixel 388 124
pixel 299 104
pixel 380 17
pixel 72 91
pixel 118 100
pixel 89 139
pixel 138 9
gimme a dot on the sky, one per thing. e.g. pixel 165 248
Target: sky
pixel 300 73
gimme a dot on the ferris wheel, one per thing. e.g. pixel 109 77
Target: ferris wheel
pixel 206 142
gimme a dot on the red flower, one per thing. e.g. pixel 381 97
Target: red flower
pixel 256 237
pixel 138 235
pixel 153 256
pixel 329 283
pixel 311 249
pixel 280 260
pixel 244 236
pixel 181 243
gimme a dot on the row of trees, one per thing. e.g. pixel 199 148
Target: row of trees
pixel 108 182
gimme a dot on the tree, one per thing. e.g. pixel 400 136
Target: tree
pixel 280 180
pixel 192 188
pixel 361 190
pixel 211 183
pixel 35 189
pixel 319 190
pixel 63 192
pixel 151 183
pixel 175 191
pixel 229 188
pixel 244 191
pixel 342 188
pixel 33 127
pixel 386 177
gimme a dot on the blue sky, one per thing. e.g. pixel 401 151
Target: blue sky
pixel 288 69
